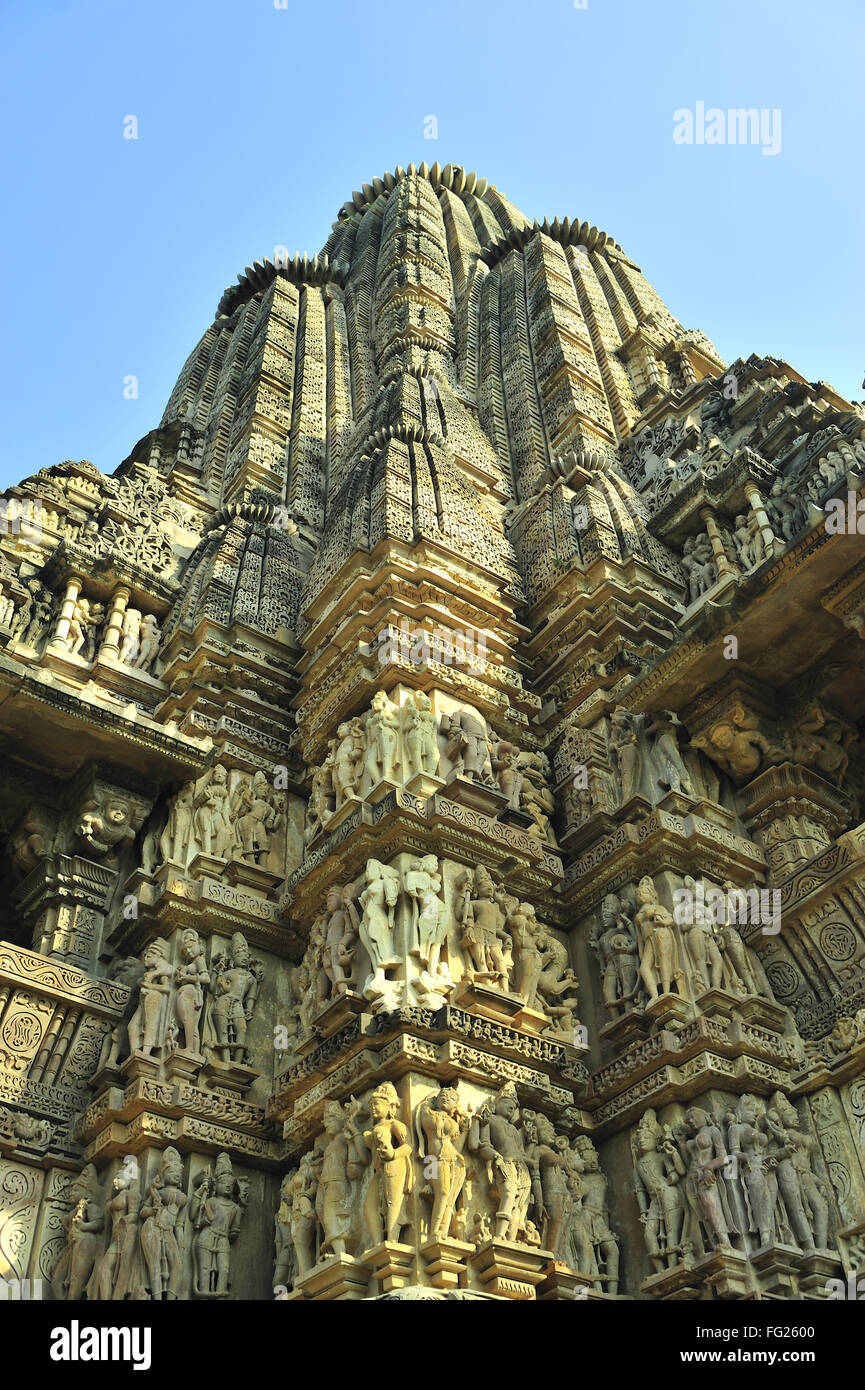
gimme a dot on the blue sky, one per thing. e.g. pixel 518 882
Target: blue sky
pixel 256 123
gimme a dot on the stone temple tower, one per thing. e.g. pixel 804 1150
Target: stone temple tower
pixel 431 828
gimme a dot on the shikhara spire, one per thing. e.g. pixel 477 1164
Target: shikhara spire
pixel 431 820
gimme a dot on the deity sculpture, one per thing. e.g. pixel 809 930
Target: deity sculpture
pixel 495 1138
pixel 33 618
pixel 604 1241
pixel 216 1216
pixel 504 760
pixel 698 564
pixel 255 817
pixel 302 1186
pixel 422 883
pixel 347 766
pixel 744 966
pixel 235 985
pixel 705 1186
pixel 700 942
pixel 551 1193
pixel 149 638
pixel 749 1145
pixel 616 949
pixel 672 772
pixel 441 1126
pixel 130 632
pixel 536 799
pixel 163 1234
pixel 484 939
pixel 339 945
pixel 285 1260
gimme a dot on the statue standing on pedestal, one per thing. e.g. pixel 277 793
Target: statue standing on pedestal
pixel 494 1137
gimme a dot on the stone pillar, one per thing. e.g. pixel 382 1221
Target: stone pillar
pixel 752 492
pixel 111 640
pixel 724 567
pixel 73 589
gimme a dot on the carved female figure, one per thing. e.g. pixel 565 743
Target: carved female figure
pixel 175 838
pixel 345 773
pixel 213 829
pixel 149 639
pixel 551 1193
pixel 191 980
pixel 111 1279
pixel 382 741
pixel 419 735
pixel 162 1233
pixel 337 1169
pixel 705 1187
pixel 616 948
pixel 378 902
pixel 429 917
pixel 801 1190
pixel 625 748
pixel 442 1128
pixel 302 1187
pixel 147 1025
pixel 526 936
pixel 658 1172
pixel 285 1262
pixel 749 1145
pixel 390 1156
pixel 659 959
pixel 699 934
pixel 84 1225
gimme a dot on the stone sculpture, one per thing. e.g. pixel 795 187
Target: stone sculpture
pixel 191 979
pixel 216 1211
pixel 83 1225
pixel 147 1025
pixel 659 954
pixel 235 983
pixel 617 952
pixel 496 1139
pixel 387 1149
pixel 441 1126
pixel 163 1231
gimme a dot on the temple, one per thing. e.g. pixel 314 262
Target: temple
pixel 430 829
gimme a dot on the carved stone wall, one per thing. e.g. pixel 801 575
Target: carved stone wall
pixel 432 826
